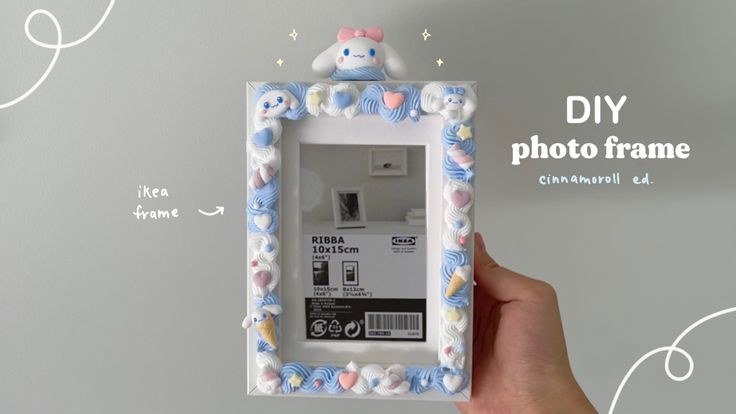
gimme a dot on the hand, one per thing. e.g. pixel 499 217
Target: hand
pixel 520 362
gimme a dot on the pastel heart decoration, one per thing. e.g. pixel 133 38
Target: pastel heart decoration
pixel 452 382
pixel 393 100
pixel 393 381
pixel 460 157
pixel 347 379
pixel 342 99
pixel 263 221
pixel 262 278
pixel 261 176
pixel 263 138
pixel 269 375
pixel 459 198
pixel 453 315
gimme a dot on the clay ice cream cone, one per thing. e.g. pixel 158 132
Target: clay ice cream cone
pixel 267 329
pixel 458 280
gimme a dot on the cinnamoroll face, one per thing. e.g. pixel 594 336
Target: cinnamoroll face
pixel 359 54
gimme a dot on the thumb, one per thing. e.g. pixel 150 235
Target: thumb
pixel 498 282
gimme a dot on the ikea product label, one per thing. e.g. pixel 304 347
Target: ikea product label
pixel 365 286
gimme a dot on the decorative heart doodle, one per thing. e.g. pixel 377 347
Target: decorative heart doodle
pixel 393 100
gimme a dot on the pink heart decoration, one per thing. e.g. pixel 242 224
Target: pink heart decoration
pixel 460 198
pixel 393 100
pixel 262 278
pixel 347 379
pixel 268 376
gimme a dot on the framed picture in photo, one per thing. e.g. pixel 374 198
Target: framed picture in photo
pixel 348 207
pixel 387 161
pixel 350 273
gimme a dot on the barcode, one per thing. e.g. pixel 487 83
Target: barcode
pixel 393 325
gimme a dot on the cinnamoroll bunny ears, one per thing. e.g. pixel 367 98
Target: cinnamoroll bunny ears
pixel 359 54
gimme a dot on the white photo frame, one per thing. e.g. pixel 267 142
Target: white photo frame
pixel 375 115
pixel 348 207
pixel 387 161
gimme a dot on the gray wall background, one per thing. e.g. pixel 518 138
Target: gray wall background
pixel 387 198
pixel 100 313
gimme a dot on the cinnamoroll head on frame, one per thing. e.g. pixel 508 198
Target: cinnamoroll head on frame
pixel 456 103
pixel 263 320
pixel 359 55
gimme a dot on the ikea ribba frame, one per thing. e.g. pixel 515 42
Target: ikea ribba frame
pixel 281 117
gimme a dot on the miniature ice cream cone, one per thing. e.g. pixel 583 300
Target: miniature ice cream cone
pixel 458 280
pixel 267 329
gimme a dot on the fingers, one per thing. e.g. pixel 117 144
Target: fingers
pixel 503 284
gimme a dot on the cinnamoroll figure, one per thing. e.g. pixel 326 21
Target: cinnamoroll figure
pixel 275 103
pixel 456 103
pixel 359 54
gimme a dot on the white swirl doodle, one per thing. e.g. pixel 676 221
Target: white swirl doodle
pixel 669 349
pixel 57 47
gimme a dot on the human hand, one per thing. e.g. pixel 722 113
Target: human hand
pixel 520 362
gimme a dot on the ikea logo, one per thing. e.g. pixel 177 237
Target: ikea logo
pixel 403 240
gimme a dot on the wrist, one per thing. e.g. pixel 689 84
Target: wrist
pixel 568 398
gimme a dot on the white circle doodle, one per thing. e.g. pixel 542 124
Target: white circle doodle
pixel 669 349
pixel 57 47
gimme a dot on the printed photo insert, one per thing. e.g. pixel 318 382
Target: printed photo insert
pixel 365 256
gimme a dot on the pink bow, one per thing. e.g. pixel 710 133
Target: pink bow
pixel 347 33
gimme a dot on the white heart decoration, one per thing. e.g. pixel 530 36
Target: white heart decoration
pixel 452 382
pixel 263 221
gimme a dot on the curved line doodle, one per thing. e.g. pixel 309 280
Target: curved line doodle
pixel 669 349
pixel 57 47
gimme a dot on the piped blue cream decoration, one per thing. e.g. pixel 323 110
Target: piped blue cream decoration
pixel 393 105
pixel 358 74
pixel 274 102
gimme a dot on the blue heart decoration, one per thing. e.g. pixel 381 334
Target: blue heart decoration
pixel 342 99
pixel 263 138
